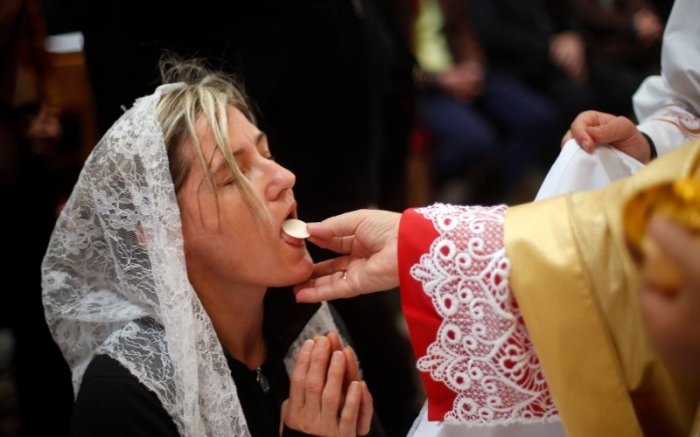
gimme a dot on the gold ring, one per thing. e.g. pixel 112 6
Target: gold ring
pixel 345 275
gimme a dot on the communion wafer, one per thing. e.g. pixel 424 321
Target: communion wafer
pixel 295 228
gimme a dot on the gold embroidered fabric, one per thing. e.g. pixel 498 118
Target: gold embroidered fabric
pixel 578 290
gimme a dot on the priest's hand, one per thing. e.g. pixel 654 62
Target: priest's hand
pixel 672 315
pixel 321 401
pixel 367 242
pixel 592 127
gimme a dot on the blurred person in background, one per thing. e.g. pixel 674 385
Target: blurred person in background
pixel 30 132
pixel 624 41
pixel 487 128
pixel 543 44
pixel 666 105
pixel 540 43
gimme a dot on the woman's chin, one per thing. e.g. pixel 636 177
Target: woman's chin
pixel 300 273
pixel 306 270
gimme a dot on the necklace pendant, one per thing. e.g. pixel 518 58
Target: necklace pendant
pixel 264 384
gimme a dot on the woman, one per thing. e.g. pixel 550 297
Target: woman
pixel 155 280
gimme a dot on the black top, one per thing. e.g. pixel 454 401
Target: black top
pixel 112 401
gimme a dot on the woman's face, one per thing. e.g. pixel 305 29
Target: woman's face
pixel 229 247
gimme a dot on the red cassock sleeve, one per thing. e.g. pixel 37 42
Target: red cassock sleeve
pixel 416 236
pixel 473 352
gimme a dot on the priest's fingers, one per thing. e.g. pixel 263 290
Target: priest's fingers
pixel 342 225
pixel 330 266
pixel 330 287
pixel 331 280
pixel 372 229
pixel 341 245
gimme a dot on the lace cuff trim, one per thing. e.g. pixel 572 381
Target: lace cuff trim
pixel 481 351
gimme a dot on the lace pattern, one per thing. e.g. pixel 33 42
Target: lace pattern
pixel 482 350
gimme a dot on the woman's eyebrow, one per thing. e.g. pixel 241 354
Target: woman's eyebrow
pixel 260 138
pixel 218 164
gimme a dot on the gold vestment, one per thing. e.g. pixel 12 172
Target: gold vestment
pixel 578 289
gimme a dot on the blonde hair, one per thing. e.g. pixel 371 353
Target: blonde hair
pixel 208 94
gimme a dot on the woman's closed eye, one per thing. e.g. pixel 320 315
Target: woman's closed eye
pixel 228 179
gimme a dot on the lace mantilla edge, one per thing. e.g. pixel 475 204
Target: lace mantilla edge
pixel 320 323
pixel 482 350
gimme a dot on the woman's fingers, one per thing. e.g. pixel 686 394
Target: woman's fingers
pixel 352 372
pixel 351 410
pixel 352 368
pixel 364 421
pixel 326 396
pixel 283 422
pixel 297 386
pixel 334 338
pixel 333 391
pixel 316 376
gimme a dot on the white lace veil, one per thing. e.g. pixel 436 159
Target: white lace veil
pixel 115 282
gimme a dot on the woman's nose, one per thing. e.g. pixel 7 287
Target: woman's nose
pixel 282 179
